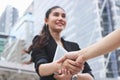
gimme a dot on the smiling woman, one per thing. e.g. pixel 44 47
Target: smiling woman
pixel 15 3
pixel 44 46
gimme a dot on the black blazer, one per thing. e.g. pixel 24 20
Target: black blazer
pixel 46 55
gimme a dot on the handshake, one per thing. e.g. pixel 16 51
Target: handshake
pixel 68 60
pixel 72 61
pixel 71 66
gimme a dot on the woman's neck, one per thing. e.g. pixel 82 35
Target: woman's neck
pixel 57 38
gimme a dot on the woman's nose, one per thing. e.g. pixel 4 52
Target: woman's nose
pixel 60 18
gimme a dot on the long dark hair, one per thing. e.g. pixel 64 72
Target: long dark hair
pixel 41 40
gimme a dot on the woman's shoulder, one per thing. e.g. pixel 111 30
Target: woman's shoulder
pixel 70 42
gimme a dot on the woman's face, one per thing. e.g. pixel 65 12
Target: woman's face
pixel 56 20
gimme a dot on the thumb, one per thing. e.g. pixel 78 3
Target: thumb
pixel 80 60
pixel 56 76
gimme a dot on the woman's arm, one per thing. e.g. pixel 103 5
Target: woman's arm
pixel 49 68
pixel 42 64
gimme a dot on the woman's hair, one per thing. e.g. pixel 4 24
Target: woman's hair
pixel 41 40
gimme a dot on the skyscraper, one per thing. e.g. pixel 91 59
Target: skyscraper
pixel 20 35
pixel 110 21
pixel 7 20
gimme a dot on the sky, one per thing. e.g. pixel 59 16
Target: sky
pixel 21 5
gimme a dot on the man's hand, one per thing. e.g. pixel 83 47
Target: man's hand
pixel 75 56
pixel 71 66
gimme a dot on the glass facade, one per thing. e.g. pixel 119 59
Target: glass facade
pixel 13 56
pixel 22 34
pixel 3 41
pixel 8 19
pixel 109 22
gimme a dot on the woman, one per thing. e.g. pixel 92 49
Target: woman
pixel 44 47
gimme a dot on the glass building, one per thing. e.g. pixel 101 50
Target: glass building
pixel 110 21
pixel 7 20
pixel 13 56
pixel 3 41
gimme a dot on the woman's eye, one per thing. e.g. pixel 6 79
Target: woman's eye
pixel 63 15
pixel 56 14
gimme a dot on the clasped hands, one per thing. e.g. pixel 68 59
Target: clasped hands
pixel 71 64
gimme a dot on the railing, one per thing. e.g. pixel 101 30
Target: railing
pixel 11 63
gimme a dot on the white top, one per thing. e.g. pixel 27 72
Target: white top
pixel 60 52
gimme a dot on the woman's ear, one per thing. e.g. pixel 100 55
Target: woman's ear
pixel 46 21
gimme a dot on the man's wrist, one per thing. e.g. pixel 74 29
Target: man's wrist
pixel 82 53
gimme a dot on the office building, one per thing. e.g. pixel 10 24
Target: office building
pixel 13 56
pixel 7 20
pixel 110 21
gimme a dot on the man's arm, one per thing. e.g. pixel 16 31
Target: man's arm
pixel 107 44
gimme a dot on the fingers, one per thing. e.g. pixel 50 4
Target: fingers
pixel 57 77
pixel 73 69
pixel 72 61
pixel 71 66
pixel 65 75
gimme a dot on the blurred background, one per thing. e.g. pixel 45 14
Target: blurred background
pixel 87 22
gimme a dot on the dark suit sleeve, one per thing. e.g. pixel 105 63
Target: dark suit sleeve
pixel 39 56
pixel 87 69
